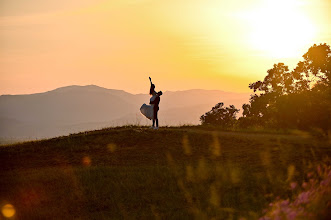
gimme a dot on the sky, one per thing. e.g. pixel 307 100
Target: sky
pixel 181 44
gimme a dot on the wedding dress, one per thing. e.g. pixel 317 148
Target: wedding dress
pixel 147 110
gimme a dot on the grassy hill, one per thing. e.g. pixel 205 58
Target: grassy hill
pixel 138 173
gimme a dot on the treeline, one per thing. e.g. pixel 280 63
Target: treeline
pixel 285 99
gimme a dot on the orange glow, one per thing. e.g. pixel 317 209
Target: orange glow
pixel 8 211
pixel 86 161
pixel 181 44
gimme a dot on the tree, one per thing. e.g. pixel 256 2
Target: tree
pixel 318 62
pixel 278 81
pixel 293 99
pixel 220 116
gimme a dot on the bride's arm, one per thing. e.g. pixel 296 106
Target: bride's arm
pixel 152 89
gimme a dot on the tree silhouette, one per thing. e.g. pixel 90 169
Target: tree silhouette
pixel 318 62
pixel 293 99
pixel 220 116
pixel 300 98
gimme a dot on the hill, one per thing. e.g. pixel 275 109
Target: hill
pixel 176 173
pixel 79 108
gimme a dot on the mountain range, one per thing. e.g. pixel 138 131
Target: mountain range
pixel 79 108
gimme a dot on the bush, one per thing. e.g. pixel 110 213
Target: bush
pixel 220 116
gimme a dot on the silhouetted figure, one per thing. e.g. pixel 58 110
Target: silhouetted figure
pixel 150 111
pixel 155 104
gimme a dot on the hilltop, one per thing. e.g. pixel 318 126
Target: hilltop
pixel 175 172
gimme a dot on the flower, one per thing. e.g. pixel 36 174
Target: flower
pixel 310 201
pixel 293 185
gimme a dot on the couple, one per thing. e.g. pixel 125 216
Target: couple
pixel 150 111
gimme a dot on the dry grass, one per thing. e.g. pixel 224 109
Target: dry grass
pixel 135 172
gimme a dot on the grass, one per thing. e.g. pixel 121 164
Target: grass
pixel 138 173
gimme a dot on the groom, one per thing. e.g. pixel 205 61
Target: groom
pixel 156 103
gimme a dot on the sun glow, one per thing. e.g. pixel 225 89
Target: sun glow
pixel 207 44
pixel 281 29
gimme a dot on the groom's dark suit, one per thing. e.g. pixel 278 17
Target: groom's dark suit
pixel 156 103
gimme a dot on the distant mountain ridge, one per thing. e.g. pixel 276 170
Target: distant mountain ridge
pixel 78 108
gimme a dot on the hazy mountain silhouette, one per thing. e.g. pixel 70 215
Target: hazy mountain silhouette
pixel 78 108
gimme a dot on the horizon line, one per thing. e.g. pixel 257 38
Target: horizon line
pixel 90 85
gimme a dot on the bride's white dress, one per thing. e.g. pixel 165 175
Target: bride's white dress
pixel 147 110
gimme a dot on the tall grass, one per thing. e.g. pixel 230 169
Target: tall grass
pixel 173 173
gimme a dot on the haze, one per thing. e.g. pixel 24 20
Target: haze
pixel 196 44
pixel 80 108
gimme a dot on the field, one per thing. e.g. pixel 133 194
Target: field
pixel 171 173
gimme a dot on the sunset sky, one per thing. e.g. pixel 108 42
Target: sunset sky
pixel 181 44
